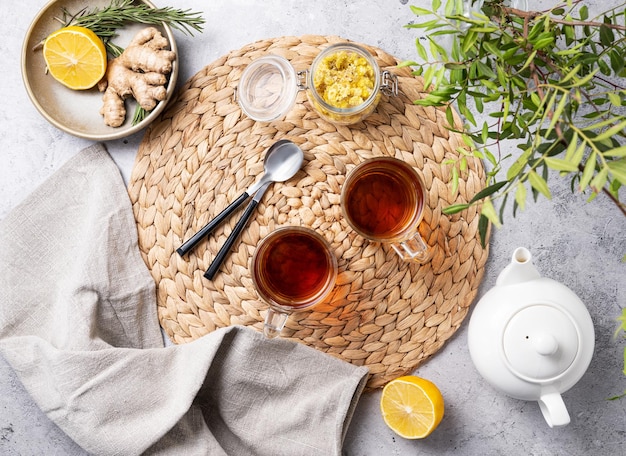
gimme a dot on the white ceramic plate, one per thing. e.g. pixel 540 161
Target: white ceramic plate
pixel 78 112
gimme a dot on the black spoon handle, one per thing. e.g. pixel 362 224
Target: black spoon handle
pixel 225 250
pixel 209 227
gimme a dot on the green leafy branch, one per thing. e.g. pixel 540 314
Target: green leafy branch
pixel 550 81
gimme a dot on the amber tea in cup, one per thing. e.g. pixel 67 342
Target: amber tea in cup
pixel 383 200
pixel 293 269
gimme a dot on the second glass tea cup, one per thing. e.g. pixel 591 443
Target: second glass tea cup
pixel 383 200
pixel 293 269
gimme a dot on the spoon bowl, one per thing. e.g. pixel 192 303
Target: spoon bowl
pixel 282 161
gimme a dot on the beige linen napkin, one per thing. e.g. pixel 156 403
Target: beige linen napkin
pixel 78 324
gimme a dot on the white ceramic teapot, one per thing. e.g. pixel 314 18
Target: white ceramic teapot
pixel 531 337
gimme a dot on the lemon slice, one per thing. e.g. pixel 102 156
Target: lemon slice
pixel 75 56
pixel 412 406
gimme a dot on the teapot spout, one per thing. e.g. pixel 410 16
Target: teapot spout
pixel 520 269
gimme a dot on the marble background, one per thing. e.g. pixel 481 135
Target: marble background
pixel 580 244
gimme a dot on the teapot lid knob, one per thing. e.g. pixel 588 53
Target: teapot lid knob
pixel 545 344
pixel 540 342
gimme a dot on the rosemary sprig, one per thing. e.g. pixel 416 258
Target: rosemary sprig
pixel 105 22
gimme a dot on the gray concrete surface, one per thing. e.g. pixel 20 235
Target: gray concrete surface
pixel 574 242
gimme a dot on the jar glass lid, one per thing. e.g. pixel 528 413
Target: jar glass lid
pixel 268 88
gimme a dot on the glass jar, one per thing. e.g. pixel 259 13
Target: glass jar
pixel 343 85
pixel 267 88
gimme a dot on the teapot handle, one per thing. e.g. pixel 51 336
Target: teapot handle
pixel 553 409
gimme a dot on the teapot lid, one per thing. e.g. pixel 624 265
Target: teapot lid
pixel 540 342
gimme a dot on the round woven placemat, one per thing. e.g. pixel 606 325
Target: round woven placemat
pixel 203 152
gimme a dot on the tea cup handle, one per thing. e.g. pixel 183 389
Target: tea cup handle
pixel 274 323
pixel 413 249
pixel 553 410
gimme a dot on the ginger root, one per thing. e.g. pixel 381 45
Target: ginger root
pixel 140 71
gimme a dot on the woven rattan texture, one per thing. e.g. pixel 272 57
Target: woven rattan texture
pixel 203 152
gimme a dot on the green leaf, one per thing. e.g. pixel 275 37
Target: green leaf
pixel 492 48
pixel 604 123
pixel 452 7
pixel 581 82
pixel 421 50
pixel 560 165
pixel 606 36
pixel 573 72
pixel 520 195
pixel 543 43
pixel 584 13
pixel 484 134
pixel 599 180
pixel 535 99
pixel 429 74
pixel 615 99
pixel 571 147
pixel 455 66
pixel 535 31
pixel 577 158
pixel 455 180
pixel 436 5
pixel 617 62
pixel 611 131
pixel 538 183
pixel 618 170
pixel 437 50
pixel 588 170
pixel 483 228
pixel 421 11
pixel 468 41
pixel 519 164
pixel 454 208
pixel 556 115
pixel 529 60
pixel 490 212
pixel 506 106
pixel 463 164
pixel 572 50
pixel 490 157
pixel 487 191
pixel 463 109
pixel 407 63
pixel 616 152
pixel 604 68
pixel 450 116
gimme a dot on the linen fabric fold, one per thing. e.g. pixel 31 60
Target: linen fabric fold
pixel 78 324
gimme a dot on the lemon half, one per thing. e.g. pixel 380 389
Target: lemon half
pixel 412 406
pixel 76 57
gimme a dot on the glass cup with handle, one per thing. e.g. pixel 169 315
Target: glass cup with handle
pixel 293 269
pixel 383 200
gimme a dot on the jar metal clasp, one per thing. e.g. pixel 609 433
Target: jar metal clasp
pixel 389 83
pixel 303 77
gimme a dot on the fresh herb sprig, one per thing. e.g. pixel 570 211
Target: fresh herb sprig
pixel 105 22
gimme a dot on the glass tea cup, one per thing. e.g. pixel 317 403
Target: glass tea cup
pixel 383 200
pixel 293 269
